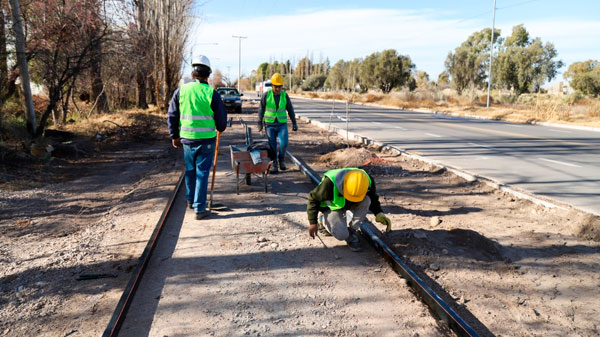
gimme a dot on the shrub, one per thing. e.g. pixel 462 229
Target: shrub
pixel 573 98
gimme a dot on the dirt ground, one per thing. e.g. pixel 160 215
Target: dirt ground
pixel 514 268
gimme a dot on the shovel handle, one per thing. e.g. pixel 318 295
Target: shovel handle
pixel 212 184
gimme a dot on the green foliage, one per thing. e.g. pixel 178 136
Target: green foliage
pixel 314 82
pixel 262 72
pixel 525 64
pixel 468 64
pixel 343 75
pixel 443 79
pixel 584 77
pixel 573 98
pixel 385 70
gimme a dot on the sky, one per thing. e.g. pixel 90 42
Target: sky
pixel 425 30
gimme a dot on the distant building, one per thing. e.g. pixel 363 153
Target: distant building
pixel 560 88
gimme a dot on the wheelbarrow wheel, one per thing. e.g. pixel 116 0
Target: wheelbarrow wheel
pixel 248 179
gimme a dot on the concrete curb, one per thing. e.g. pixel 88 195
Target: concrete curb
pixel 467 176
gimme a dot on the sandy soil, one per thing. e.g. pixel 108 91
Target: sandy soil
pixel 515 268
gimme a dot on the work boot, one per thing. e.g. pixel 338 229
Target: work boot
pixel 282 165
pixel 274 169
pixel 354 243
pixel 202 215
pixel 322 230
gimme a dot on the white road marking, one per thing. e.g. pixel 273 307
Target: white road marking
pixel 400 128
pixel 433 135
pixel 559 162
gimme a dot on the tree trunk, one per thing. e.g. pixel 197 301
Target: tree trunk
pixel 3 64
pixel 3 54
pixel 152 90
pixel 22 61
pixel 141 74
pixel 141 91
pixel 98 92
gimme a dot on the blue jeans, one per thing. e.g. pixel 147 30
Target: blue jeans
pixel 278 132
pixel 198 161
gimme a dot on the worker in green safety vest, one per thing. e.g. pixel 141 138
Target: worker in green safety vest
pixel 341 190
pixel 274 108
pixel 196 113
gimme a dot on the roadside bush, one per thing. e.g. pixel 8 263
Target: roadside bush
pixel 314 82
pixel 573 98
pixel 507 99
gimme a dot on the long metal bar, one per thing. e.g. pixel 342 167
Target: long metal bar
pixel 433 300
pixel 118 316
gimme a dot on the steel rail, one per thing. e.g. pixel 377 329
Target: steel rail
pixel 118 316
pixel 429 296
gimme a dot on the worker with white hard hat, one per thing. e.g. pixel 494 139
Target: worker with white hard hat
pixel 196 113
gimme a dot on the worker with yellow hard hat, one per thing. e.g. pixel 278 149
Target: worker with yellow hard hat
pixel 340 190
pixel 272 113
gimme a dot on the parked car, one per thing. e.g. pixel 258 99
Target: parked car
pixel 231 98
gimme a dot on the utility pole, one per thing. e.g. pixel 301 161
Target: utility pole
pixel 240 58
pixel 491 54
pixel 22 61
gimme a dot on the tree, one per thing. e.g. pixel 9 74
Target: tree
pixel 314 82
pixel 585 77
pixel 525 64
pixel 443 79
pixel 468 64
pixel 23 66
pixel 303 69
pixel 63 41
pixel 385 70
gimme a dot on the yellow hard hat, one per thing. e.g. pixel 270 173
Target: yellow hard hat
pixel 276 79
pixel 356 184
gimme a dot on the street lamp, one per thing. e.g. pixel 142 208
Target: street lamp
pixel 240 57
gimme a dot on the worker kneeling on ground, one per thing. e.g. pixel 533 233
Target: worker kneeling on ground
pixel 341 190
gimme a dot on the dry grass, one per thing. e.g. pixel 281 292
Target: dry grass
pixel 572 109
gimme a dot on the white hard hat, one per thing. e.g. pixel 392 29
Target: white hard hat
pixel 200 60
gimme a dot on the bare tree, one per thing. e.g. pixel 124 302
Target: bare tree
pixel 22 61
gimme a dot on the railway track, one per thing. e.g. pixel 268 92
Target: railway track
pixel 440 308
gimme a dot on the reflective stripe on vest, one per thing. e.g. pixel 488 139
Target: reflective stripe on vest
pixel 196 117
pixel 338 201
pixel 273 114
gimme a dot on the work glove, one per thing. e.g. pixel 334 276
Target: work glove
pixel 384 220
pixel 295 127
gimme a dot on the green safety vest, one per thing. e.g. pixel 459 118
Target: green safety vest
pixel 196 118
pixel 273 114
pixel 338 201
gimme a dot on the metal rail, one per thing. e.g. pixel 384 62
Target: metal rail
pixel 372 235
pixel 118 316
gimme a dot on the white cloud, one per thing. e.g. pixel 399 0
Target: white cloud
pixel 347 34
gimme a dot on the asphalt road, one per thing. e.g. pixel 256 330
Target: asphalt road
pixel 559 163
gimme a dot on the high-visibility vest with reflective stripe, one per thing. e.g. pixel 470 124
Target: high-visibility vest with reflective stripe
pixel 196 118
pixel 273 114
pixel 338 201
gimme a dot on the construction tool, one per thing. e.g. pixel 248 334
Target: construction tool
pixel 211 206
pixel 324 245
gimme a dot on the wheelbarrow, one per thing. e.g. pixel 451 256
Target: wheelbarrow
pixel 248 163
